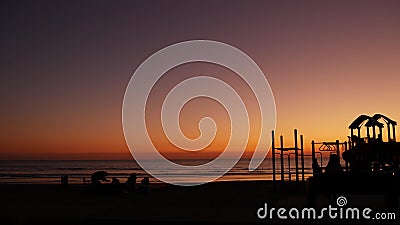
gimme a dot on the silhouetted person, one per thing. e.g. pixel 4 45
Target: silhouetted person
pixel 64 180
pixel 145 181
pixel 350 156
pixel 116 186
pixel 131 182
pixel 144 184
pixel 99 176
pixel 315 166
pixel 333 165
pixel 115 181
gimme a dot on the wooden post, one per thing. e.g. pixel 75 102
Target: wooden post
pixel 351 136
pixel 347 163
pixel 394 133
pixel 374 132
pixel 273 159
pixel 368 133
pixel 359 132
pixel 388 126
pixel 312 149
pixel 338 148
pixel 290 174
pixel 302 157
pixel 282 167
pixel 296 154
pixel 313 155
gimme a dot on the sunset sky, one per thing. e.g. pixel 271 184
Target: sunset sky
pixel 65 66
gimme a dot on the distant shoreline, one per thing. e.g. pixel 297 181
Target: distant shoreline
pixel 50 171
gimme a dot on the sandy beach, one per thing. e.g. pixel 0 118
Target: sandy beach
pixel 218 202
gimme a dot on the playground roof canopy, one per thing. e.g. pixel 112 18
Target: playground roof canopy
pixel 371 121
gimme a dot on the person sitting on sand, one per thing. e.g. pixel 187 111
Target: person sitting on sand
pixel 131 182
pixel 333 165
pixel 115 181
pixel 144 184
pixel 99 176
pixel 145 181
pixel 64 180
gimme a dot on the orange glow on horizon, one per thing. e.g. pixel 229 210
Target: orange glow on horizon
pixel 63 86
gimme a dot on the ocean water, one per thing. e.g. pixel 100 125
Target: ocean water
pixel 49 171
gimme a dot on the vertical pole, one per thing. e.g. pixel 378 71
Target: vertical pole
pixel 296 153
pixel 351 136
pixel 347 163
pixel 302 157
pixel 313 155
pixel 368 132
pixel 313 149
pixel 388 126
pixel 374 132
pixel 338 148
pixel 359 132
pixel 273 159
pixel 290 174
pixel 282 167
pixel 394 133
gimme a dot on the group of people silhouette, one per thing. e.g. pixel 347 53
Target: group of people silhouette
pixel 99 178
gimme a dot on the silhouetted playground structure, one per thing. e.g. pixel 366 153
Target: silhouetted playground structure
pixel 372 154
pixel 296 153
pixel 367 164
pixel 288 152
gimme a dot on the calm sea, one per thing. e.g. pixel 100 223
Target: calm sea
pixel 49 171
